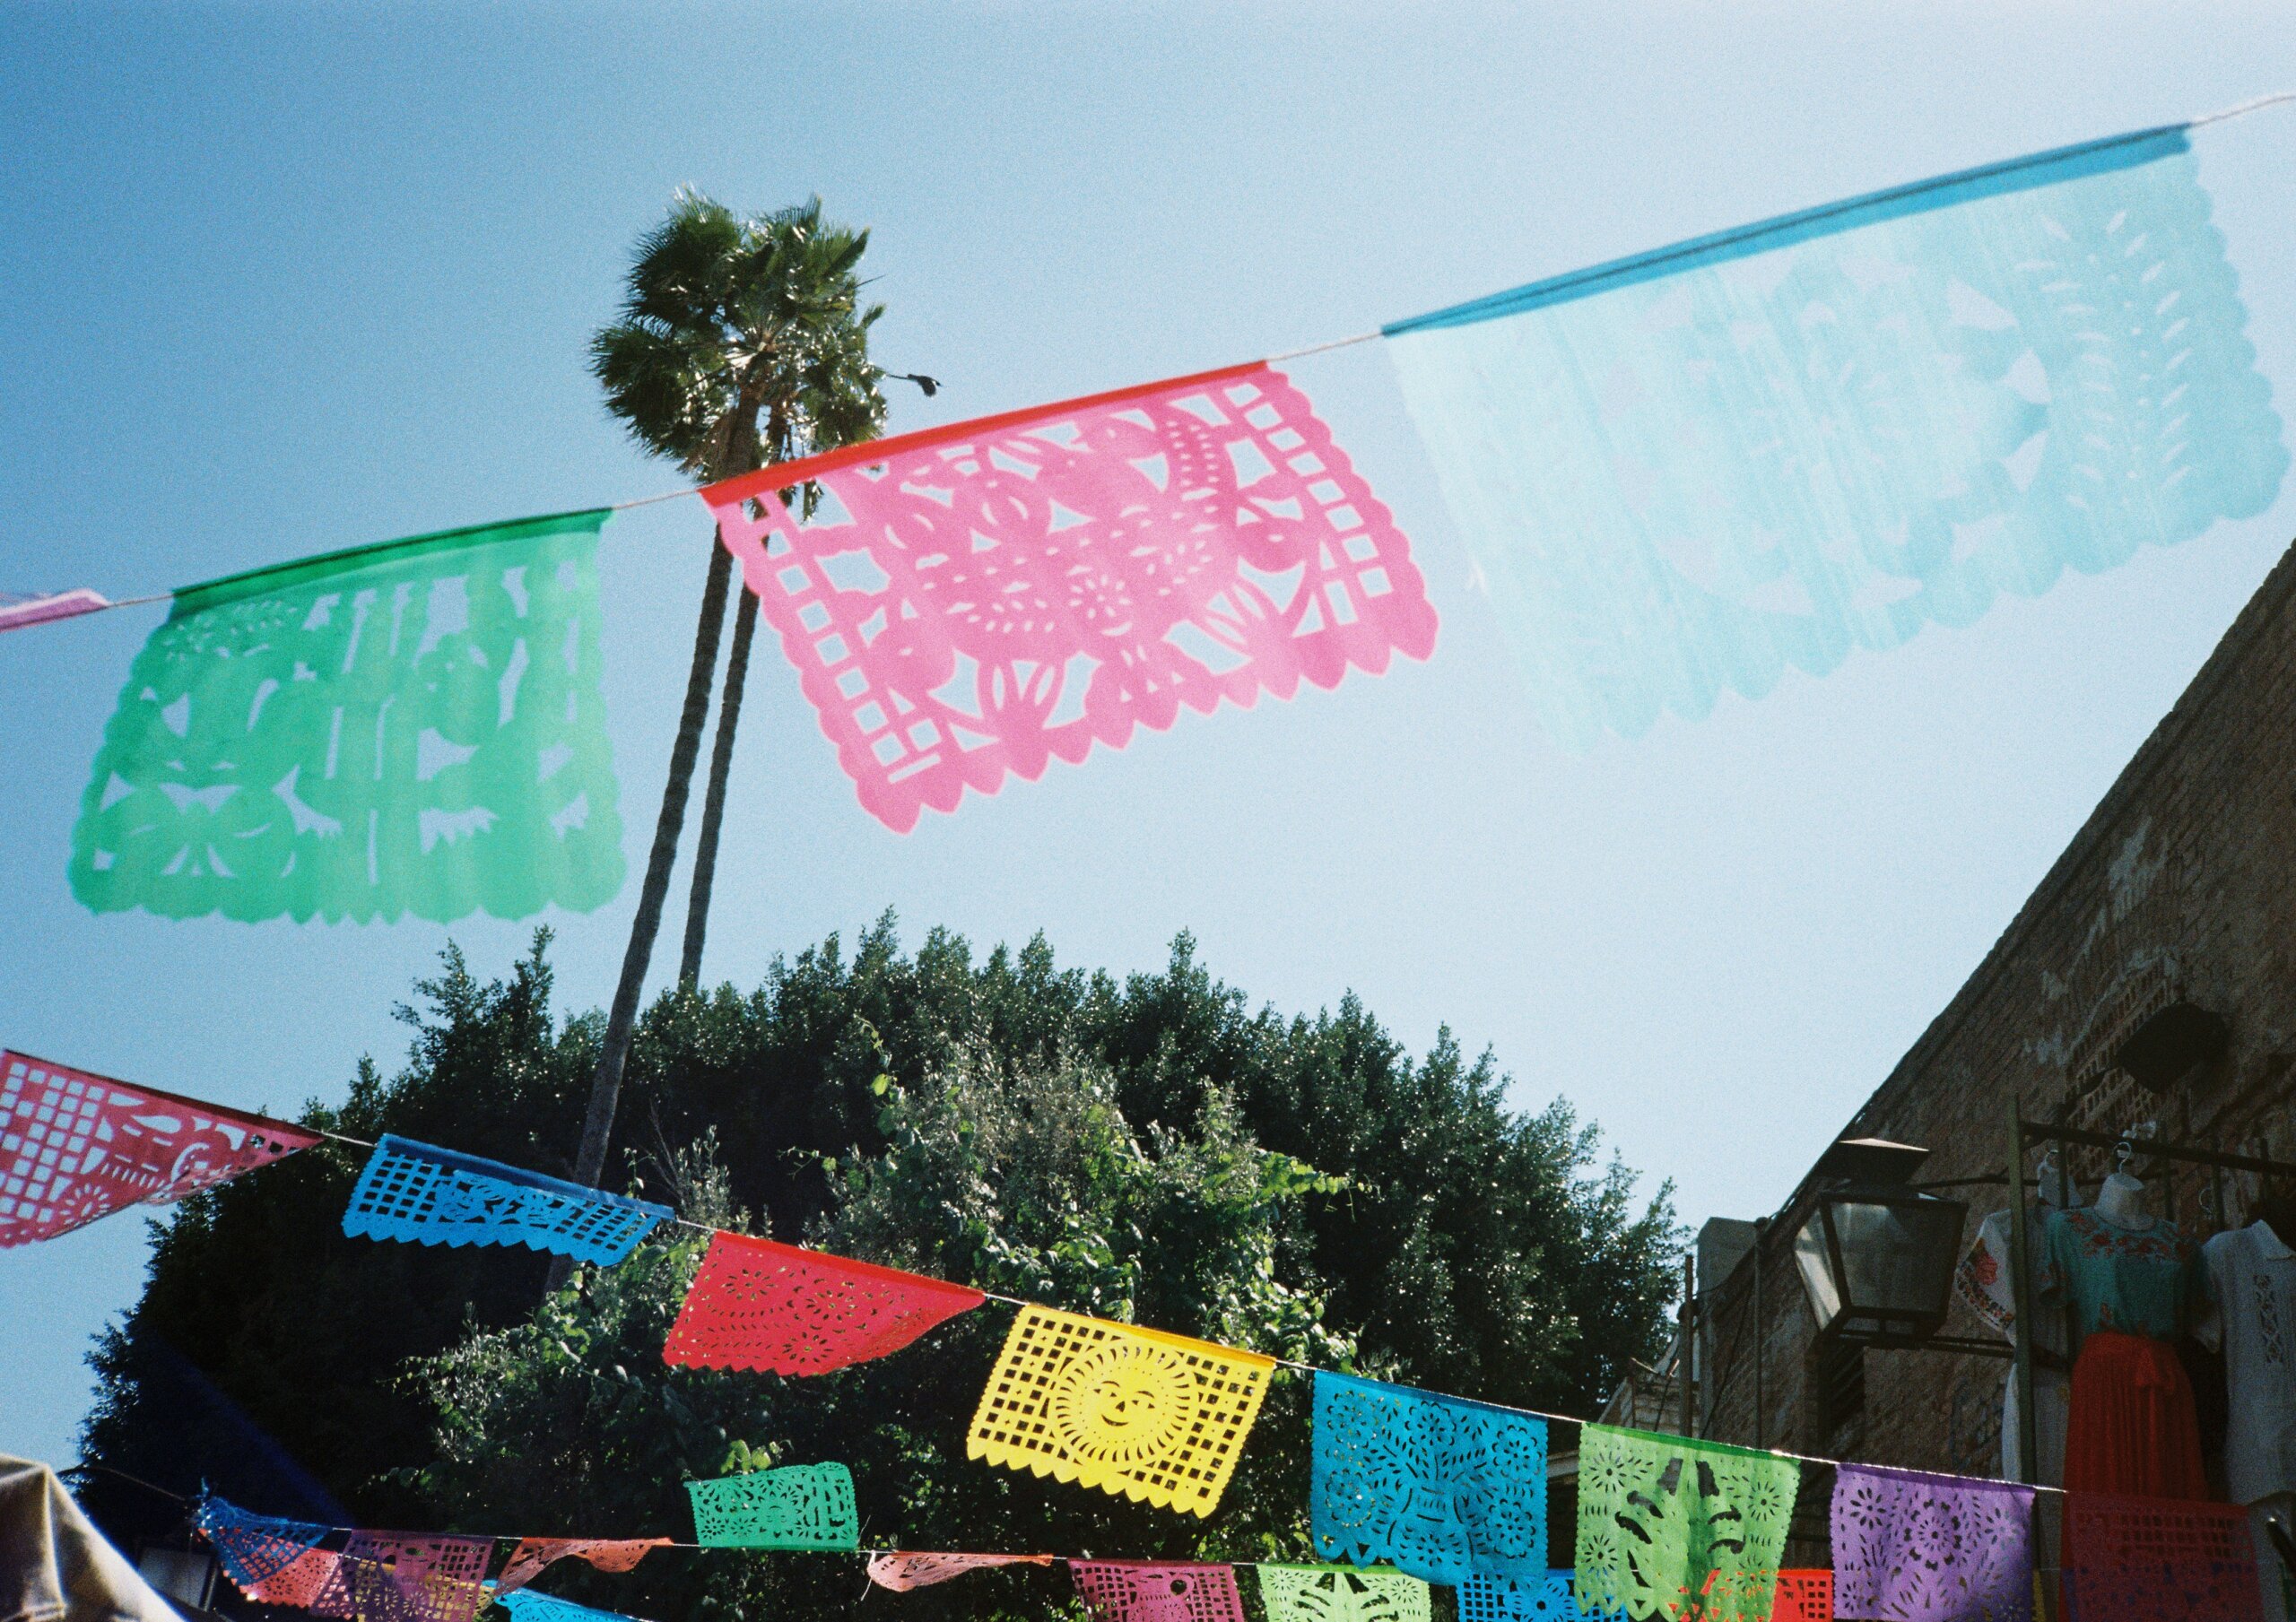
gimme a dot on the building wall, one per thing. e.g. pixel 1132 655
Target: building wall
pixel 2181 884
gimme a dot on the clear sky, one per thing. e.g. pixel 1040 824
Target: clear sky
pixel 274 280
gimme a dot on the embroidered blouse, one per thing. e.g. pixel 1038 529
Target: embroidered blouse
pixel 2150 1283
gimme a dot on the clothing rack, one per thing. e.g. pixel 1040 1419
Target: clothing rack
pixel 2023 1136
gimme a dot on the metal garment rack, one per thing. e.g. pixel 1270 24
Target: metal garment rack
pixel 2021 1137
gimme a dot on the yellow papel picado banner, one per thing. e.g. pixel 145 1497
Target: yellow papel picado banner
pixel 1133 1412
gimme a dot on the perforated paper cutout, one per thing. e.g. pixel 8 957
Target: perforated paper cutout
pixel 606 1554
pixel 299 1583
pixel 1341 1593
pixel 903 1570
pixel 1911 1548
pixel 525 1605
pixel 797 1506
pixel 274 1561
pixel 1130 1591
pixel 429 1195
pixel 1135 1412
pixel 410 727
pixel 1681 1529
pixel 1803 1596
pixel 75 1146
pixel 1688 473
pixel 1435 1485
pixel 1540 1599
pixel 2158 1560
pixel 758 1304
pixel 390 1577
pixel 972 601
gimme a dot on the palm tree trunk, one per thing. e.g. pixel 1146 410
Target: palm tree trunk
pixel 713 802
pixel 605 1083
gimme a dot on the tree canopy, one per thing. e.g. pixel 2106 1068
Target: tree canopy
pixel 1149 1149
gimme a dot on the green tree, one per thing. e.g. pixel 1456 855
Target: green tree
pixel 741 342
pixel 1147 1149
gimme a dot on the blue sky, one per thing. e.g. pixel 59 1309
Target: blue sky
pixel 278 279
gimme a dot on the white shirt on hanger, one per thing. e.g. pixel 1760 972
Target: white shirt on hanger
pixel 2252 1288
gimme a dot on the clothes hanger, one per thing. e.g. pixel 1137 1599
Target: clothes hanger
pixel 2119 1197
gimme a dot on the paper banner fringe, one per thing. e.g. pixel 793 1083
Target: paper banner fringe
pixel 427 1196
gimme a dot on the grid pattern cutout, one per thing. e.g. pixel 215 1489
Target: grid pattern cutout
pixel 2158 1560
pixel 264 1556
pixel 797 1506
pixel 1131 1590
pixel 1486 1598
pixel 428 1195
pixel 75 1146
pixel 758 1304
pixel 1135 1412
pixel 385 1577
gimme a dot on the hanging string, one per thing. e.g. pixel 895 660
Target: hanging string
pixel 1316 1368
pixel 2239 110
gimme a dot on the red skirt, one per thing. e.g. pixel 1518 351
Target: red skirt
pixel 2131 1427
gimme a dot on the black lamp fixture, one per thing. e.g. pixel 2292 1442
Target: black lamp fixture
pixel 1877 1255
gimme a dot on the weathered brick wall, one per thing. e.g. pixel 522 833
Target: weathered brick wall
pixel 2182 882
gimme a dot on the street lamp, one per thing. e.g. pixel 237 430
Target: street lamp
pixel 1876 1255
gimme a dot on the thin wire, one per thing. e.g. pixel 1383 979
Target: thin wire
pixel 1318 349
pixel 2241 110
pixel 1312 1368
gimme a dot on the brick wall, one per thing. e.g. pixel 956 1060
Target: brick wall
pixel 2182 883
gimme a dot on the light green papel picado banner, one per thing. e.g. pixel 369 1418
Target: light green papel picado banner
pixel 409 727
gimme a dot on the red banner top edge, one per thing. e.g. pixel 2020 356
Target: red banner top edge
pixel 284 1129
pixel 781 475
pixel 869 1269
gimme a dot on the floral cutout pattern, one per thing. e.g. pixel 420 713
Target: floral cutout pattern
pixel 429 1195
pixel 969 603
pixel 1670 1527
pixel 75 1146
pixel 1135 1412
pixel 1689 473
pixel 2158 1560
pixel 797 1506
pixel 1911 1548
pixel 1341 1593
pixel 1132 1591
pixel 1439 1486
pixel 758 1304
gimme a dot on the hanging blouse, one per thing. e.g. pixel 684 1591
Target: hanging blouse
pixel 2149 1283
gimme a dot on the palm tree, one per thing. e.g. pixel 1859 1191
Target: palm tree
pixel 741 343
